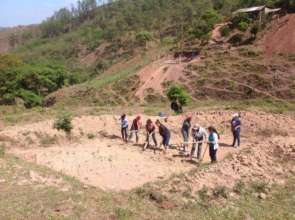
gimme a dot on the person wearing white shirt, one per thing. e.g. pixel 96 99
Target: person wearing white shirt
pixel 199 135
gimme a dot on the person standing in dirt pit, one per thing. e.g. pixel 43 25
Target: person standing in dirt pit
pixel 165 133
pixel 186 126
pixel 124 128
pixel 136 125
pixel 213 143
pixel 151 132
pixel 199 135
pixel 236 129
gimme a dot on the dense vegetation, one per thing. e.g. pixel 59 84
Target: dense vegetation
pixel 49 55
pixel 28 81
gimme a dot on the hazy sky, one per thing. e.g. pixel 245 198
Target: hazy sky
pixel 23 12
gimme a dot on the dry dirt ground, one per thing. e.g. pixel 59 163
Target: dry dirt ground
pixel 96 156
pixel 280 39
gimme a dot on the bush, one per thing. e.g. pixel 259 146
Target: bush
pixel 243 26
pixel 64 123
pixel 30 82
pixel 202 27
pixel 177 92
pixel 143 37
pixel 30 99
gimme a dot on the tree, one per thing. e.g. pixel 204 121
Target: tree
pixel 178 93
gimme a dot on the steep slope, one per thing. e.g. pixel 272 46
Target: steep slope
pixel 280 38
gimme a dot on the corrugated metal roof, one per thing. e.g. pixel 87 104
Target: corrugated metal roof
pixel 257 8
pixel 252 9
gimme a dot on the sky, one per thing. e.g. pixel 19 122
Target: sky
pixel 24 12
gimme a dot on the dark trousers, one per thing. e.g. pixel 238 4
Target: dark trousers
pixel 136 135
pixel 212 153
pixel 236 136
pixel 153 135
pixel 166 141
pixel 124 133
pixel 185 135
pixel 199 148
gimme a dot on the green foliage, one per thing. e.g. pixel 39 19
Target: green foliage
pixel 30 82
pixel 168 40
pixel 143 37
pixel 64 122
pixel 177 92
pixel 205 24
pixel 30 98
pixel 243 26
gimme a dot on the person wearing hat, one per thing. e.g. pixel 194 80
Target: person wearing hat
pixel 136 125
pixel 185 131
pixel 236 129
pixel 199 134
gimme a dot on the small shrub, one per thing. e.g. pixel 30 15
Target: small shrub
pixel 243 26
pixel 90 136
pixel 143 37
pixel 64 123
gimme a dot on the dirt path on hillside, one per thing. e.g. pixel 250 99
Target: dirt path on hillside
pixel 281 36
pixel 155 75
pixel 96 155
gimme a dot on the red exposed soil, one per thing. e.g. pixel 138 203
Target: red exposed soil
pixel 155 75
pixel 281 36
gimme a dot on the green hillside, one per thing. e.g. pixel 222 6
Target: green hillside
pixel 80 44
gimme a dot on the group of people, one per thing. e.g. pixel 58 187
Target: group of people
pixel 199 135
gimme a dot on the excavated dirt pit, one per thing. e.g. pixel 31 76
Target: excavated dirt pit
pixel 96 155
